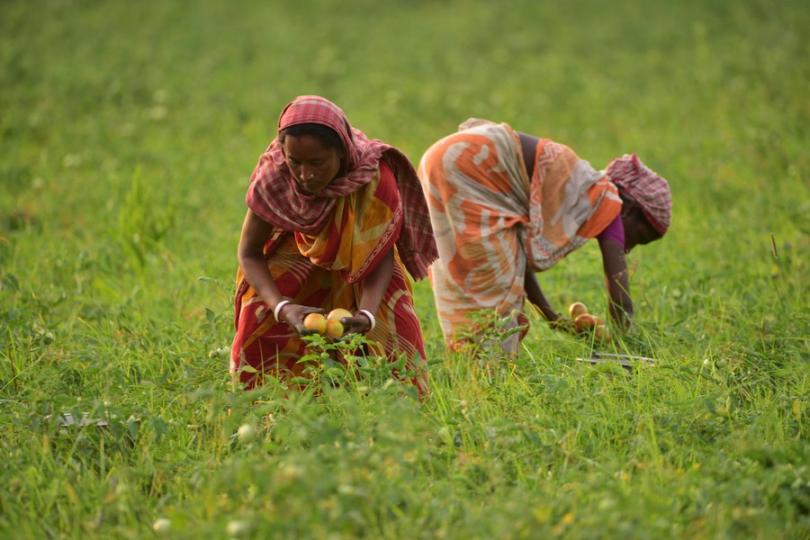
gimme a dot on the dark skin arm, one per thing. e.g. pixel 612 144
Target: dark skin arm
pixel 255 232
pixel 615 266
pixel 372 290
pixel 637 232
pixel 536 296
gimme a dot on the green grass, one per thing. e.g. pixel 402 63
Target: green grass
pixel 128 131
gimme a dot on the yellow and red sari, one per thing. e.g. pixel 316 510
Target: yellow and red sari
pixel 322 246
pixel 325 271
pixel 492 221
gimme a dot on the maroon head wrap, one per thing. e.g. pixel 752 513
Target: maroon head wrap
pixel 276 196
pixel 645 187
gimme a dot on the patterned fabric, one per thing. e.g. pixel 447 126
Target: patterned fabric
pixel 644 186
pixel 323 270
pixel 362 228
pixel 492 221
pixel 570 204
pixel 276 197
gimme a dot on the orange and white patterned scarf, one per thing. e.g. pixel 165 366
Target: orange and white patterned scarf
pixel 492 220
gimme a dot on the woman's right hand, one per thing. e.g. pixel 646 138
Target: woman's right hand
pixel 294 314
pixel 562 324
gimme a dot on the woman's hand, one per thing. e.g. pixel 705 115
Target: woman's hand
pixel 562 324
pixel 294 314
pixel 359 323
pixel 535 295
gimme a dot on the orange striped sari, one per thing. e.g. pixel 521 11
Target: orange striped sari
pixel 327 270
pixel 492 221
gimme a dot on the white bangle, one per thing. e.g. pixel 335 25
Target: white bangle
pixel 370 316
pixel 279 307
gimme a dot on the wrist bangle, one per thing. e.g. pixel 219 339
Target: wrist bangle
pixel 279 307
pixel 370 316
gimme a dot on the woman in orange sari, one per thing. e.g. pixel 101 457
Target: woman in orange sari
pixel 505 205
pixel 334 220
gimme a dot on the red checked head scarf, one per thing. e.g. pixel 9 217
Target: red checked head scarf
pixel 276 196
pixel 644 186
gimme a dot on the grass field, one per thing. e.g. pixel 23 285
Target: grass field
pixel 128 131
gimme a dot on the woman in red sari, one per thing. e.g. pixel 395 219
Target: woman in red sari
pixel 334 220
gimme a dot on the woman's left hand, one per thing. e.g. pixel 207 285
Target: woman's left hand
pixel 357 324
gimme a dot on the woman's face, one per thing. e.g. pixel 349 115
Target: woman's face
pixel 637 230
pixel 312 163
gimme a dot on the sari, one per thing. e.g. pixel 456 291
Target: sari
pixel 493 222
pixel 322 246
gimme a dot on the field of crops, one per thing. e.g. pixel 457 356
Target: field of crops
pixel 128 131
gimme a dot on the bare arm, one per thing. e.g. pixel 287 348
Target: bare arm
pixel 615 267
pixel 536 296
pixel 255 232
pixel 372 291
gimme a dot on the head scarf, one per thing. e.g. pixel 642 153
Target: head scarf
pixel 645 187
pixel 278 198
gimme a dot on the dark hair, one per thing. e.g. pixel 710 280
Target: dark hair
pixel 326 136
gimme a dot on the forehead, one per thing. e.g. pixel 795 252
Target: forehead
pixel 305 146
